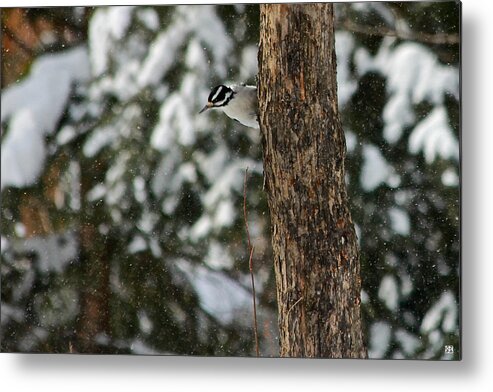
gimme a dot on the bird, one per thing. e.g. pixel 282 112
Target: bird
pixel 238 102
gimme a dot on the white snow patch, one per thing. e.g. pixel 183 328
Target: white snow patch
pixel 248 63
pixel 108 24
pixel 140 348
pixel 375 169
pixel 96 193
pixel 399 221
pixel 346 84
pixel 408 342
pixel 200 22
pixel 219 295
pixel 23 152
pixel 175 124
pixel 53 252
pixel 149 18
pixel 138 244
pixel 165 172
pixel 201 228
pixel 99 138
pixel 225 214
pixel 213 164
pixel 145 323
pixel 162 54
pixel 406 285
pixel 434 137
pixel 380 334
pixel 388 292
pixel 450 177
pixel 10 313
pixel 414 75
pixel 66 134
pixel 34 107
pixel 231 179
pixel 364 297
pixel 443 312
pixel 218 256
pixel 195 57
pixel 351 140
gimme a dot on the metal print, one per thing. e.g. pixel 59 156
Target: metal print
pixel 274 180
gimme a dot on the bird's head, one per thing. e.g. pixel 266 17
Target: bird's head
pixel 219 96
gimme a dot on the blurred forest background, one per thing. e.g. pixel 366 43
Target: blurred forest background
pixel 122 209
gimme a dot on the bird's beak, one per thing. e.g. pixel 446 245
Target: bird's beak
pixel 208 106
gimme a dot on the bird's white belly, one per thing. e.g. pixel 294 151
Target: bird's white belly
pixel 239 113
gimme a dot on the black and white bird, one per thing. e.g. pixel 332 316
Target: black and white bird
pixel 238 102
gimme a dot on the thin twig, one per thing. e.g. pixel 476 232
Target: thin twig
pixel 250 265
pixel 292 306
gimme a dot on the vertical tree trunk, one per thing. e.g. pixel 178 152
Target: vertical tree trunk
pixel 315 248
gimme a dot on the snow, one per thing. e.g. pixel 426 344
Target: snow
pixel 351 140
pixel 145 323
pixel 32 109
pixel 414 75
pixel 388 292
pixel 399 221
pixel 162 54
pixel 406 284
pixel 63 307
pixel 99 138
pixel 444 312
pixel 225 214
pixel 376 170
pixel 380 334
pixel 346 85
pixel 108 24
pixel 450 177
pixel 397 115
pixel 9 312
pixel 408 342
pixel 372 8
pixel 230 180
pixel 188 172
pixel 434 137
pixel 138 347
pixel 212 165
pixel 201 21
pixel 200 229
pixel 219 295
pixel 96 193
pixel 248 63
pixel 25 285
pixel 139 187
pixel 23 152
pixel 138 244
pixel 195 57
pixel 174 124
pixel 149 18
pixel 209 29
pixel 53 252
pixel 164 172
pixel 218 257
pixel 66 134
pixel 147 221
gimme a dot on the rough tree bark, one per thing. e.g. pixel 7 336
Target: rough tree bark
pixel 316 255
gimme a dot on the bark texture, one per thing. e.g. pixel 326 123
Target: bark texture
pixel 316 255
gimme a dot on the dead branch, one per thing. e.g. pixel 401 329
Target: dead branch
pixel 250 265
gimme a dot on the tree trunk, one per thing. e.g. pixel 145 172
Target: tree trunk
pixel 316 255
